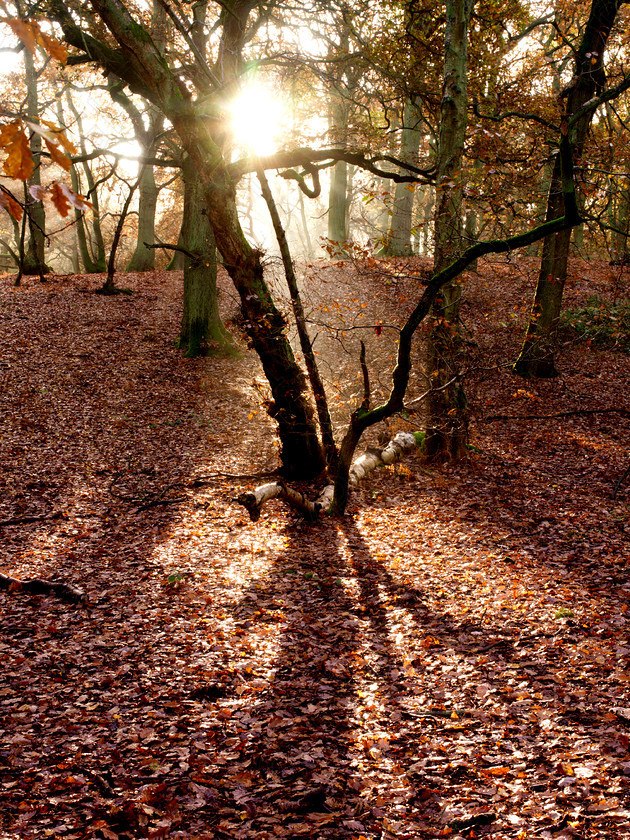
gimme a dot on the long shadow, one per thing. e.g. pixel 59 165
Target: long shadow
pixel 488 654
pixel 331 710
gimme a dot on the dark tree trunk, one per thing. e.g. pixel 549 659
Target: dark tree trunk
pixel 34 256
pixel 536 358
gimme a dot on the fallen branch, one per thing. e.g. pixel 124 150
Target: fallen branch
pixel 36 586
pixel 23 520
pixel 573 413
pixel 394 451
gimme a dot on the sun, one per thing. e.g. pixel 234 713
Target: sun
pixel 256 117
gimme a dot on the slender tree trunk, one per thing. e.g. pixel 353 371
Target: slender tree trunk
pixel 202 330
pixel 317 386
pixel 338 193
pixel 34 256
pixel 536 359
pixel 399 238
pixel 143 258
pixel 176 262
pixel 337 197
pixel 447 411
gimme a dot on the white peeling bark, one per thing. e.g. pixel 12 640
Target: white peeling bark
pixel 402 444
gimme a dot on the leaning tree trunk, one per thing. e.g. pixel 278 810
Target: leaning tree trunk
pixel 142 65
pixel 447 412
pixel 536 359
pixel 202 330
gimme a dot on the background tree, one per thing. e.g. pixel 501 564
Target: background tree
pixel 536 358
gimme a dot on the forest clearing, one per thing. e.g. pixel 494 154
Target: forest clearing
pixel 448 659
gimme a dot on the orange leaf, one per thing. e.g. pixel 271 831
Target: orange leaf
pixel 57 155
pixel 53 47
pixel 59 199
pixel 496 771
pixel 19 163
pixel 26 32
pixel 59 135
pixel 11 205
pixel 7 133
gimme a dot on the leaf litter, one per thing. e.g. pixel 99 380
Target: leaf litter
pixel 450 660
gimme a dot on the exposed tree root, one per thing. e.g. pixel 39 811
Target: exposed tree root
pixel 394 451
pixel 65 591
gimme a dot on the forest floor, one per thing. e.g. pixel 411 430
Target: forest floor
pixel 449 660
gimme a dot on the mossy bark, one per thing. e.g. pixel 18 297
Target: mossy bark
pixel 446 406
pixel 202 331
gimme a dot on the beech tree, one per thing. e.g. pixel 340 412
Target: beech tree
pixel 588 85
pixel 192 96
pixel 446 425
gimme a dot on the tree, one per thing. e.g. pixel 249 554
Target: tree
pixel 579 101
pixel 202 330
pixel 34 260
pixel 137 60
pixel 398 242
pixel 446 426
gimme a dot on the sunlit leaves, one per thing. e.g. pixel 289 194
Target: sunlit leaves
pixel 19 163
pixel 10 204
pixel 32 36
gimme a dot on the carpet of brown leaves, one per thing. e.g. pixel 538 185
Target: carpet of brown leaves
pixel 450 660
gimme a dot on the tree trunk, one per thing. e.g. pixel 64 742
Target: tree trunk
pixel 338 193
pixel 317 386
pixel 398 243
pixel 202 330
pixel 621 225
pixel 536 359
pixel 34 256
pixel 447 411
pixel 143 258
pixel 337 197
pixel 177 261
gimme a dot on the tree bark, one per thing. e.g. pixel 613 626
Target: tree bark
pixel 202 330
pixel 34 253
pixel 447 410
pixel 143 258
pixel 338 193
pixel 536 359
pixel 398 242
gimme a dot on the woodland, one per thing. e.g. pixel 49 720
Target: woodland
pixel 314 406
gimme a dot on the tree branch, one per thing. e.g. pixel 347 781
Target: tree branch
pixel 306 157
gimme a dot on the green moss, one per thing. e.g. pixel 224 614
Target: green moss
pixel 419 437
pixel 600 322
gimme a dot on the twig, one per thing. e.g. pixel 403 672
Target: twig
pixel 620 482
